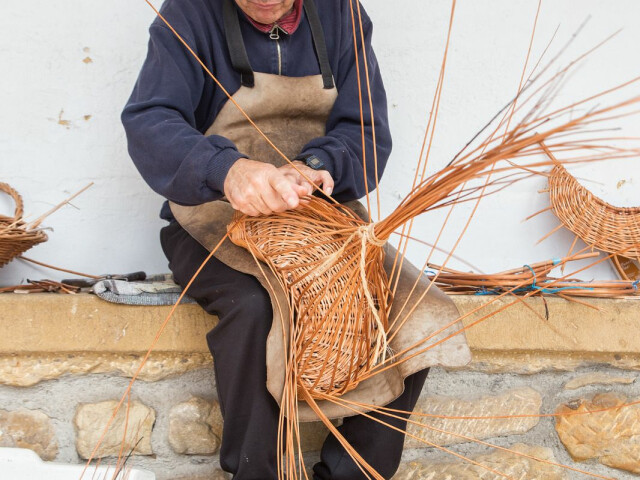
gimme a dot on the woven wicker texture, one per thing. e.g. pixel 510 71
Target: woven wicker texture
pixel 332 266
pixel 16 236
pixel 596 222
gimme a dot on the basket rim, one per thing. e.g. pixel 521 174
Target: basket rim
pixel 560 170
pixel 19 209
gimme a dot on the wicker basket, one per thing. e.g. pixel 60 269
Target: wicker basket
pixel 16 236
pixel 604 226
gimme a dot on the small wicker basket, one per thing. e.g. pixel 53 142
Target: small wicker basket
pixel 16 236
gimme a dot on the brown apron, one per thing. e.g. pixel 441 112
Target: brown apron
pixel 291 111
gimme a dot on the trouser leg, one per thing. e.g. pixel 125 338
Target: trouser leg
pixel 238 345
pixel 378 444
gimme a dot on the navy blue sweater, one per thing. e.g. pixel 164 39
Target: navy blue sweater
pixel 174 101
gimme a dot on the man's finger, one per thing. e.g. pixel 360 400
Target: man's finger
pixel 260 205
pixel 285 189
pixel 325 179
pixel 274 200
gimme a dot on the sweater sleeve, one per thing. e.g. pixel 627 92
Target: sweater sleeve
pixel 175 159
pixel 341 148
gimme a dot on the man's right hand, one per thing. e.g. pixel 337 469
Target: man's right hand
pixel 257 188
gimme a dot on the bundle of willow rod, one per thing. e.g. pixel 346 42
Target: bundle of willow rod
pixel 533 278
pixel 330 263
pixel 16 236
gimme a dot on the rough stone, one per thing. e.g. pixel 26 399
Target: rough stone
pixel 610 436
pixel 30 369
pixel 443 431
pixel 91 419
pixel 510 464
pixel 597 378
pixel 28 429
pixel 195 427
pixel 216 475
pixel 528 363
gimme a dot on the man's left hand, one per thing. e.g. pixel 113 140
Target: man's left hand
pixel 321 178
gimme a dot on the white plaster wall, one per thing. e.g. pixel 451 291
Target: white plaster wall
pixel 60 126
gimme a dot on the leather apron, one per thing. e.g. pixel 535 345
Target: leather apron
pixel 291 111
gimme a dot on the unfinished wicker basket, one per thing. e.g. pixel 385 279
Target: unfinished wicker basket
pixel 16 236
pixel 604 226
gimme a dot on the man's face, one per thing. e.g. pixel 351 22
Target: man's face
pixel 266 11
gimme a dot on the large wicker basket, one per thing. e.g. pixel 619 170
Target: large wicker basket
pixel 16 236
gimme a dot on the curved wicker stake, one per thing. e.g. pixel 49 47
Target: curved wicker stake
pixel 36 223
pixel 362 134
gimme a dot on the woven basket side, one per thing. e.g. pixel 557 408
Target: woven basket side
pixel 15 238
pixel 598 223
pixel 19 210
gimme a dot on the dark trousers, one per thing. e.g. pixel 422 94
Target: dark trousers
pixel 238 344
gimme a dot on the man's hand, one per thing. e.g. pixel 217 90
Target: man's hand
pixel 257 188
pixel 321 178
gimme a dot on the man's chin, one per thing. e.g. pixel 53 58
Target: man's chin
pixel 267 20
pixel 266 13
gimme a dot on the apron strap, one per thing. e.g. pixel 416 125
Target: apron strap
pixel 238 52
pixel 320 43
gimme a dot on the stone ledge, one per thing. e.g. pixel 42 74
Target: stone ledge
pixel 515 339
pixel 44 323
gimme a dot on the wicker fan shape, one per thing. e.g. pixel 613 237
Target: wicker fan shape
pixel 331 267
pixel 606 227
pixel 15 235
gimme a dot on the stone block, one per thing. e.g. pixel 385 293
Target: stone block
pixel 443 431
pixel 71 323
pixel 597 378
pixel 133 424
pixel 195 427
pixel 25 370
pixel 513 466
pixel 28 429
pixel 611 436
pixel 216 475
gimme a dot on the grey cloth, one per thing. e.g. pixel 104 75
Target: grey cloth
pixel 157 290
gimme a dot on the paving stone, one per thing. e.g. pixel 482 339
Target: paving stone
pixel 598 378
pixel 522 401
pixel 610 436
pixel 28 429
pixel 510 464
pixel 215 475
pixel 91 419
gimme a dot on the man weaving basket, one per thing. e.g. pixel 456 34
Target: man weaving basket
pixel 291 66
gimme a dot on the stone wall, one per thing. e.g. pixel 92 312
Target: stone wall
pixel 65 361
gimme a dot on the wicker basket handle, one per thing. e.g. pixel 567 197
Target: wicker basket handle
pixel 16 198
